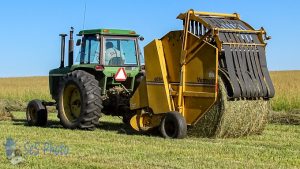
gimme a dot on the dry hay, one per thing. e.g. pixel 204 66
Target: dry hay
pixel 283 117
pixel 5 114
pixel 8 106
pixel 13 105
pixel 232 118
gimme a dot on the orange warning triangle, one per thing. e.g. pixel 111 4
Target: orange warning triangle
pixel 121 75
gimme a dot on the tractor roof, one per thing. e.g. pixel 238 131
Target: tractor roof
pixel 108 32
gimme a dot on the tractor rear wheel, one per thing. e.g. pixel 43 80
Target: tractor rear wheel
pixel 79 104
pixel 36 113
pixel 173 125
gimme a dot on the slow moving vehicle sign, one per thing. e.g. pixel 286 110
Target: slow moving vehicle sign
pixel 121 75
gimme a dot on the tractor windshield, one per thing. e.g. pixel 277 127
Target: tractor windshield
pixel 117 51
pixel 120 52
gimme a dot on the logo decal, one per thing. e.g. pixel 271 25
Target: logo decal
pixel 13 154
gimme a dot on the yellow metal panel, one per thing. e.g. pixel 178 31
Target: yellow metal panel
pixel 182 16
pixel 200 78
pixel 198 94
pixel 143 121
pixel 181 106
pixel 156 78
pixel 158 100
pixel 235 15
pixel 172 43
pixel 139 98
pixel 240 30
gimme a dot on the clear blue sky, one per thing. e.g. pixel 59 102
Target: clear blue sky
pixel 30 44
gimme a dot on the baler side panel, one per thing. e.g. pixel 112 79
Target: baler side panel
pixel 156 78
pixel 200 83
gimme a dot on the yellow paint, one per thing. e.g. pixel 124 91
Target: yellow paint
pixel 71 102
pixel 156 78
pixel 139 99
pixel 182 71
pixel 144 121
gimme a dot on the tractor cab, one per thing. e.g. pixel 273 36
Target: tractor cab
pixel 109 48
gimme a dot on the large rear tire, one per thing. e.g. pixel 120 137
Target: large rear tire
pixel 79 103
pixel 173 125
pixel 36 113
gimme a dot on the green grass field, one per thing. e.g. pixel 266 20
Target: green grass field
pixel 287 90
pixel 107 147
pixel 112 145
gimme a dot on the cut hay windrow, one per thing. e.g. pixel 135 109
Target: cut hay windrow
pixel 285 117
pixel 5 114
pixel 232 118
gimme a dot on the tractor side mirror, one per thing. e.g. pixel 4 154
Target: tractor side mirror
pixel 78 43
pixel 141 38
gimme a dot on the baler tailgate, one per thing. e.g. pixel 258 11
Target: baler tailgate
pixel 245 64
pixel 242 60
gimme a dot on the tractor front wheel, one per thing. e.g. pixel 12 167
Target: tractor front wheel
pixel 79 104
pixel 173 125
pixel 36 113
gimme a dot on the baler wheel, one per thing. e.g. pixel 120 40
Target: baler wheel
pixel 173 125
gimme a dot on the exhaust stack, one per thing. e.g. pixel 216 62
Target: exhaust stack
pixel 62 53
pixel 71 48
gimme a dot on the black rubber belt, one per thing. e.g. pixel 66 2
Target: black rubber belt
pixel 254 68
pixel 230 66
pixel 265 72
pixel 231 71
pixel 246 75
pixel 248 81
pixel 243 67
pixel 209 21
pixel 255 64
pixel 236 70
pixel 197 30
pixel 257 68
pixel 236 62
pixel 216 22
pixel 246 65
pixel 251 72
pixel 261 78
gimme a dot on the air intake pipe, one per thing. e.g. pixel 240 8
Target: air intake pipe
pixel 62 53
pixel 71 48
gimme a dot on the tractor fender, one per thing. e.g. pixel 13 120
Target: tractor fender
pixel 39 104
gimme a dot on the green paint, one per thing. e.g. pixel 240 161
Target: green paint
pixel 84 66
pixel 106 76
pixel 109 72
pixel 108 32
pixel 59 71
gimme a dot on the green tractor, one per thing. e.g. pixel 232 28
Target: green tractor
pixel 107 72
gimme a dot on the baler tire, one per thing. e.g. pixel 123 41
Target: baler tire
pixel 173 125
pixel 84 113
pixel 36 113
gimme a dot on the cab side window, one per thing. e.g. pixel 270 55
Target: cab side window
pixel 90 50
